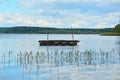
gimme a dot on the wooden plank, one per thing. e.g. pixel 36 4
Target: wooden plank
pixel 58 42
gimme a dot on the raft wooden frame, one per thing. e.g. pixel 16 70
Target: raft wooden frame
pixel 58 42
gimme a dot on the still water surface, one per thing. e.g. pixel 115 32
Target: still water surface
pixel 95 58
pixel 17 42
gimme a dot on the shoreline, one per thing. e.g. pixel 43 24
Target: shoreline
pixel 110 34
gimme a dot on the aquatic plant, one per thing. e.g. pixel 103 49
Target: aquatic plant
pixel 29 61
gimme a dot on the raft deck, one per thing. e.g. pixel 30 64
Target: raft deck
pixel 58 42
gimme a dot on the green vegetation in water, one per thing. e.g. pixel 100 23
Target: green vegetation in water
pixel 32 65
pixel 115 32
pixel 60 58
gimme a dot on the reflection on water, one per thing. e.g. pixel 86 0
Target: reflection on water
pixel 21 58
pixel 60 65
pixel 17 42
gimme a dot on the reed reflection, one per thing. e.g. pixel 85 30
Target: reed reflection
pixel 39 63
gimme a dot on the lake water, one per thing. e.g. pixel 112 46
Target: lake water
pixel 94 58
pixel 17 42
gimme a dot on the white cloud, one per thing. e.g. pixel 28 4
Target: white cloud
pixel 26 20
pixel 42 22
pixel 113 16
pixel 79 23
pixel 18 19
pixel 108 20
pixel 1 18
pixel 56 24
pixel 28 3
pixel 104 25
pixel 101 25
pixel 94 21
pixel 68 18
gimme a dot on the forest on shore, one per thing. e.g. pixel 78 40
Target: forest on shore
pixel 46 30
pixel 50 30
pixel 114 32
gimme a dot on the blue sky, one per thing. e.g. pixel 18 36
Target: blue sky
pixel 60 13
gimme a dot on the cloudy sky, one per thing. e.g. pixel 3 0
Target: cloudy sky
pixel 60 13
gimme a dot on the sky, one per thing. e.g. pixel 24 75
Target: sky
pixel 60 13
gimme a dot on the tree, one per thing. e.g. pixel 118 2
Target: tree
pixel 117 28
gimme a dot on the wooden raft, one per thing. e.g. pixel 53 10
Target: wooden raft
pixel 58 42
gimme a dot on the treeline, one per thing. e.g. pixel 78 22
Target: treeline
pixel 45 30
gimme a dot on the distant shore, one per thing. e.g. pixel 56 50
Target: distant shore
pixel 110 34
pixel 50 30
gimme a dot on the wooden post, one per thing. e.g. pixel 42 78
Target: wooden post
pixel 72 33
pixel 47 36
